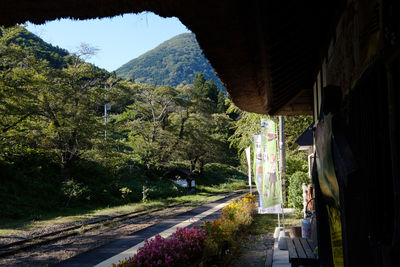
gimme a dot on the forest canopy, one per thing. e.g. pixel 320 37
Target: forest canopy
pixel 53 135
pixel 72 134
pixel 174 62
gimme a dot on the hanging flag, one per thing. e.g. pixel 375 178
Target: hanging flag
pixel 258 169
pixel 271 189
pixel 248 155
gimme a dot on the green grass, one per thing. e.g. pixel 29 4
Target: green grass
pixel 217 179
pixel 228 186
pixel 266 223
pixel 8 227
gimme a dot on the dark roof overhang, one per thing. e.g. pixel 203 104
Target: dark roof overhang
pixel 307 137
pixel 265 52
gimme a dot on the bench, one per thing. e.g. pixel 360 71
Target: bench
pixel 301 252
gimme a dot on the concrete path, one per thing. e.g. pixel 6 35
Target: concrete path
pixel 280 257
pixel 128 245
pixel 256 251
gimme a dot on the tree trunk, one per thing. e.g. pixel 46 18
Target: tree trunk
pixel 193 164
pixel 153 134
pixel 189 185
pixel 67 160
pixel 201 166
pixel 64 172
pixel 192 168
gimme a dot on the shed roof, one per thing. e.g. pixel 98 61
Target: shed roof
pixel 307 137
pixel 265 52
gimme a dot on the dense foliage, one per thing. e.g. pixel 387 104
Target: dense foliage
pixel 185 245
pixel 173 62
pixel 247 124
pixel 295 191
pixel 57 152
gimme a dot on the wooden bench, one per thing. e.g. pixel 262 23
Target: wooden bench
pixel 301 252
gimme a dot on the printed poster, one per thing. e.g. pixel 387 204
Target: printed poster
pixel 258 169
pixel 271 190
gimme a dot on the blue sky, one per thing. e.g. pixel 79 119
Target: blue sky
pixel 118 39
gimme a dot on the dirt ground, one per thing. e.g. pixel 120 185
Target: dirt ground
pixel 69 247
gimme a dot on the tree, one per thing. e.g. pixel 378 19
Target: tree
pixel 211 91
pixel 198 84
pixel 49 108
pixel 247 124
pixel 202 133
pixel 294 127
pixel 21 77
pixel 147 121
pixel 69 110
pixel 221 108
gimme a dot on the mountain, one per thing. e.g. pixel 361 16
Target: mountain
pixel 19 36
pixel 173 62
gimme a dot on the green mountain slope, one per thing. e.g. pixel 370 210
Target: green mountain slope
pixel 19 36
pixel 173 62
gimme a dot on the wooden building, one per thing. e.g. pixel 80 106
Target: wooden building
pixel 278 58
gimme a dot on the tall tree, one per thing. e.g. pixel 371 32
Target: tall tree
pixel 198 84
pixel 211 91
pixel 69 110
pixel 147 120
pixel 49 108
pixel 221 107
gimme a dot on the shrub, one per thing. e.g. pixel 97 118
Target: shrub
pixel 29 185
pixel 221 232
pixel 296 162
pixel 295 191
pixel 189 245
pixel 216 173
pixel 185 245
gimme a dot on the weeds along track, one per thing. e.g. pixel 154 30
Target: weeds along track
pixel 43 239
pixel 81 228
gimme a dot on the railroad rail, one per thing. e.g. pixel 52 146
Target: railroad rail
pixel 75 230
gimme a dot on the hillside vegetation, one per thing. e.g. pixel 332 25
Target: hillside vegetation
pixel 56 152
pixel 173 62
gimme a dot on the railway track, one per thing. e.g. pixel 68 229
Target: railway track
pixel 75 230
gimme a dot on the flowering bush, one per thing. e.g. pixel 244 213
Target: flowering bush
pixel 188 245
pixel 240 211
pixel 184 246
pixel 219 235
pixel 221 232
pixel 191 242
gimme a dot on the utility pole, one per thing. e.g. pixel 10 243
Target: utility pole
pixel 107 107
pixel 105 121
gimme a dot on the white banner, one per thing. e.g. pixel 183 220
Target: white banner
pixel 248 155
pixel 258 170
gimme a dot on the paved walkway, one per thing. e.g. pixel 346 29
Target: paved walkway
pixel 128 245
pixel 262 251
pixel 256 251
pixel 280 258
